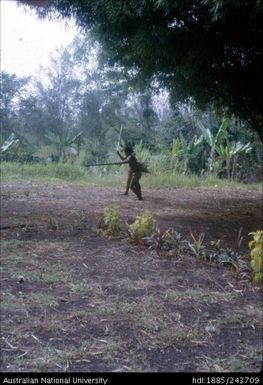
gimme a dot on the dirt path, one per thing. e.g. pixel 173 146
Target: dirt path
pixel 218 213
pixel 76 301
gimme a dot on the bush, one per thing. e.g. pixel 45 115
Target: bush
pixel 256 246
pixel 167 241
pixel 110 220
pixel 143 227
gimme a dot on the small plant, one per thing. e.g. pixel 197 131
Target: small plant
pixel 171 240
pixel 156 241
pixel 225 257
pixel 81 223
pixel 216 244
pixel 110 220
pixel 197 247
pixel 239 238
pixel 142 228
pixel 167 241
pixel 256 246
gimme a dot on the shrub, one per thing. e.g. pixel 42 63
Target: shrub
pixel 167 241
pixel 256 246
pixel 225 257
pixel 110 220
pixel 142 228
pixel 197 247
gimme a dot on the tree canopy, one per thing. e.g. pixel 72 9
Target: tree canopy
pixel 75 111
pixel 210 50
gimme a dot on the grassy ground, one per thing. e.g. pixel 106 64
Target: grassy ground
pixel 62 313
pixel 111 177
pixel 76 301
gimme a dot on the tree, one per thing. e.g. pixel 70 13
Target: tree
pixel 13 92
pixel 59 94
pixel 210 50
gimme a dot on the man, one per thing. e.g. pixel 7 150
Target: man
pixel 134 173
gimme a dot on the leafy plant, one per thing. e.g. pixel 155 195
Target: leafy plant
pixel 171 239
pixel 81 223
pixel 142 228
pixel 16 148
pixel 197 247
pixel 213 141
pixel 230 153
pixel 216 244
pixel 190 151
pixel 256 246
pixel 167 240
pixel 174 156
pixel 225 257
pixel 110 220
pixel 64 143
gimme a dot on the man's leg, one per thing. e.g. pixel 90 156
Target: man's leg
pixel 135 185
pixel 128 184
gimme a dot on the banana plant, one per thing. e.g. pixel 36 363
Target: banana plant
pixel 190 150
pixel 230 154
pixel 175 147
pixel 213 141
pixel 63 142
pixel 12 139
pixel 174 157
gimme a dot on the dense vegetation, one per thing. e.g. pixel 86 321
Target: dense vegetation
pixel 207 50
pixel 89 100
pixel 78 112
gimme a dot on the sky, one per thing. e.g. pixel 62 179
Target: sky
pixel 26 41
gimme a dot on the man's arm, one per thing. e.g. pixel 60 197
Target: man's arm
pixel 122 157
pixel 124 160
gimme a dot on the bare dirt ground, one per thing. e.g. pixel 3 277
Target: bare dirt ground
pixel 76 301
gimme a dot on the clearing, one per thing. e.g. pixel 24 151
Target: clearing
pixel 75 301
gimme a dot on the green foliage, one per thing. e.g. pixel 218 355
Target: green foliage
pixel 13 91
pixel 167 241
pixel 225 257
pixel 106 99
pixel 213 141
pixel 38 171
pixel 208 50
pixel 216 253
pixel 171 240
pixel 256 246
pixel 17 149
pixel 189 152
pixel 66 145
pixel 110 220
pixel 142 228
pixel 68 172
pixel 230 153
pixel 197 246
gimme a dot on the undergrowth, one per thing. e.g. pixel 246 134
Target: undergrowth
pixel 109 221
pixel 12 171
pixel 256 246
pixel 142 228
pixel 168 242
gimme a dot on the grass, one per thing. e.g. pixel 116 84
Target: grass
pixel 94 304
pixel 11 171
pixel 66 318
